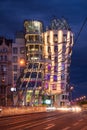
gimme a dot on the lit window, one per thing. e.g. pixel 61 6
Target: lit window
pixel 53 87
pixel 37 38
pixel 49 67
pixel 55 77
pixel 64 38
pixel 36 47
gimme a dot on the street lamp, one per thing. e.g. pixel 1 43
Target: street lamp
pixel 13 89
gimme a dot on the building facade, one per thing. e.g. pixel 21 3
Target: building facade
pixel 18 57
pixel 58 43
pixel 5 71
pixel 48 58
pixel 30 83
pixel 36 66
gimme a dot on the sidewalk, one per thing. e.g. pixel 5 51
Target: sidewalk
pixel 7 111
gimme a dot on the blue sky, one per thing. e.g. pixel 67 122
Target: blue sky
pixel 14 12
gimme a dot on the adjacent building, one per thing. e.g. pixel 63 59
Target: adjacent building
pixel 18 57
pixel 5 71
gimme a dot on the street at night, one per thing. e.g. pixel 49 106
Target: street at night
pixel 43 66
pixel 51 120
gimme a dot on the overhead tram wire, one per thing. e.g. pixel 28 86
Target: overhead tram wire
pixel 84 22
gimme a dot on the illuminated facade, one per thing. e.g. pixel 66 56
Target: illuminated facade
pixel 58 42
pixel 48 58
pixel 30 83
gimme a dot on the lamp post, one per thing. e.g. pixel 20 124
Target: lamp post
pixel 70 91
pixel 13 90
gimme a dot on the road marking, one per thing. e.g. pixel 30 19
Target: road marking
pixel 66 128
pixel 36 123
pixel 75 123
pixel 49 126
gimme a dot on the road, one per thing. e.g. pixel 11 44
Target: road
pixel 54 120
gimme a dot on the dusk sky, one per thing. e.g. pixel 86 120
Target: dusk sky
pixel 14 12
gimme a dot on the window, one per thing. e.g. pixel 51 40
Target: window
pixel 15 59
pixel 15 77
pixel 39 75
pixel 55 48
pixel 15 50
pixel 48 39
pixel 71 39
pixel 53 87
pixel 31 84
pixel 62 96
pixel 4 50
pixel 5 57
pixel 49 57
pixel 27 75
pixel 49 50
pixel 36 47
pixel 48 76
pixel 24 84
pixel 1 58
pixel 37 38
pixel 31 47
pixel 22 50
pixel 3 67
pixel 64 38
pixel 64 48
pixel 62 76
pixel 56 59
pixel 55 68
pixel 33 74
pixel 35 65
pixel 49 67
pixel 55 38
pixel 31 38
pixel 55 77
pixel 21 69
pixel 40 48
pixel 38 84
pixel 63 66
pixel 15 67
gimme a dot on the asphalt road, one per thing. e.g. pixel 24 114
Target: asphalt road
pixel 46 121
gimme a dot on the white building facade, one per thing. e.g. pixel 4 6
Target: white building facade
pixel 58 43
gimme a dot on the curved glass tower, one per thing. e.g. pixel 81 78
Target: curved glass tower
pixel 31 80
